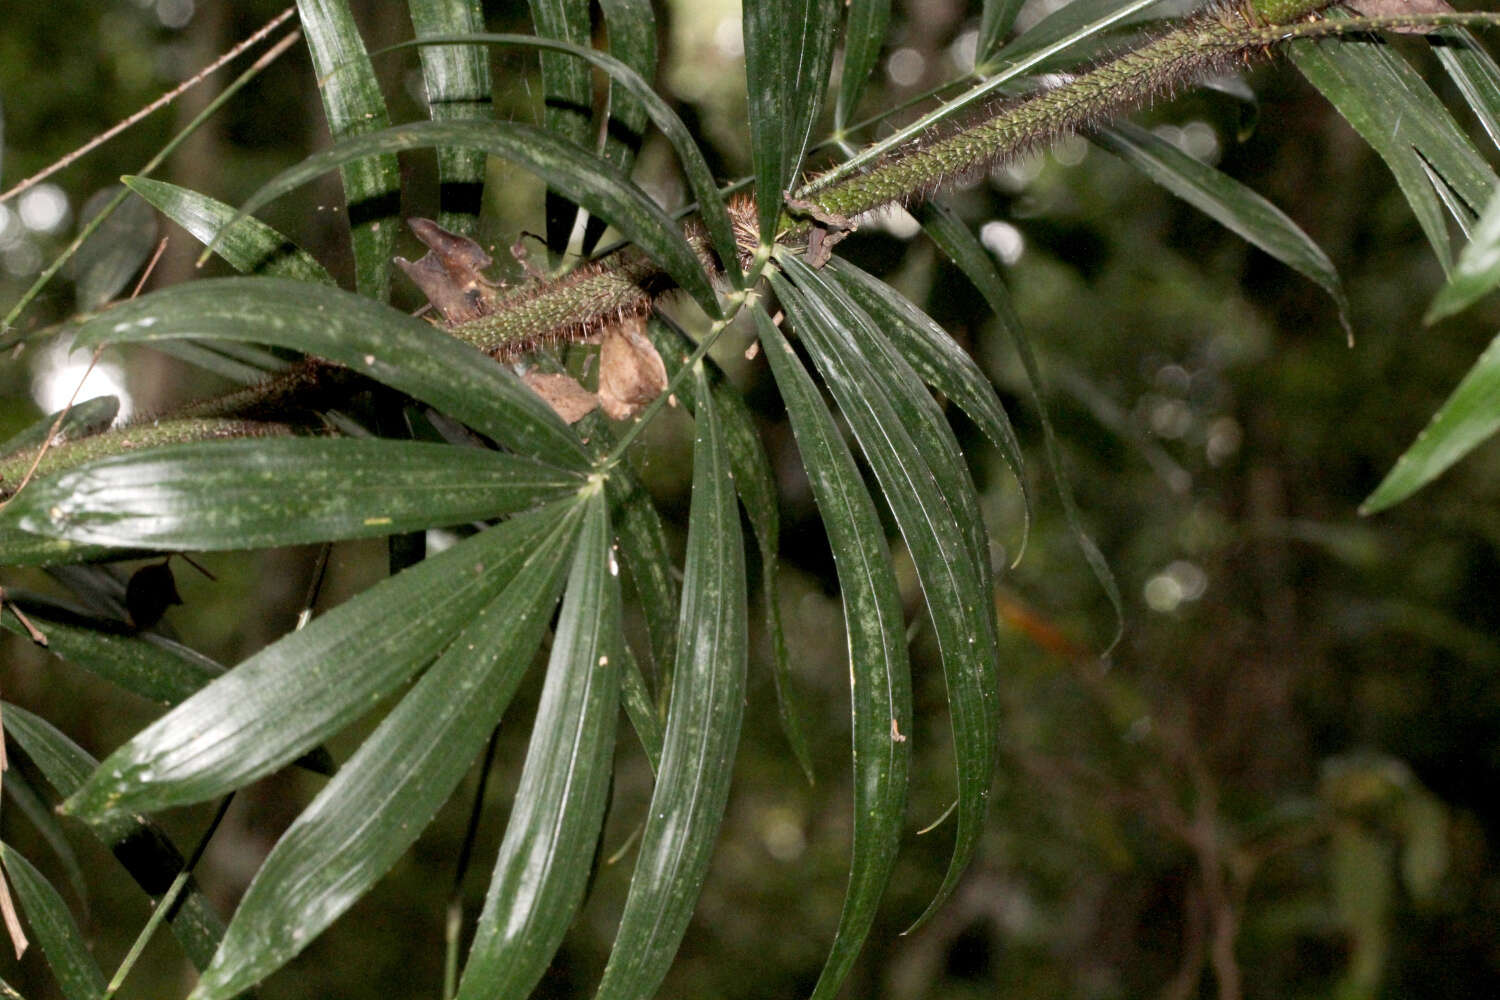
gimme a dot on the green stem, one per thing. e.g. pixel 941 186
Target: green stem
pixel 166 904
pixel 953 107
pixel 940 152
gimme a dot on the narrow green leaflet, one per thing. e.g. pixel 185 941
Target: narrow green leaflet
pixel 695 168
pixel 62 762
pixel 965 251
pixel 59 936
pixel 369 814
pixel 375 340
pixel 632 40
pixel 995 22
pixel 631 25
pixel 567 96
pixel 1389 105
pixel 635 697
pixel 291 695
pixel 756 485
pixel 139 845
pixel 458 87
pixel 937 520
pixel 546 855
pixel 22 548
pixel 1066 28
pixel 148 665
pixel 211 359
pixel 1468 418
pixel 940 362
pixel 89 416
pixel 577 173
pixel 1227 202
pixel 864 36
pixel 1014 63
pixel 788 52
pixel 1478 269
pixel 22 796
pixel 354 105
pixel 641 545
pixel 880 696
pixel 253 493
pixel 113 252
pixel 916 409
pixel 1463 218
pixel 250 246
pixel 644 552
pixel 1474 73
pixel 703 726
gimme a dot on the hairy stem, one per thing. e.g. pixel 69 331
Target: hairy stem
pixel 119 440
pixel 627 283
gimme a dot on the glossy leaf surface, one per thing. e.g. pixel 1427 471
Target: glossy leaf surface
pixel 56 932
pixel 647 558
pixel 788 52
pixel 386 794
pixel 880 697
pixel 1474 72
pixel 250 246
pixel 1227 202
pixel 1469 418
pixel 457 80
pixel 88 416
pixel 388 346
pixel 148 665
pixel 864 37
pixel 1387 102
pixel 567 96
pixel 291 695
pixel 939 360
pixel 756 485
pixel 141 847
pixel 354 105
pixel 703 728
pixel 1478 269
pixel 939 524
pixel 583 177
pixel 546 854
pixel 263 492
pixel 631 26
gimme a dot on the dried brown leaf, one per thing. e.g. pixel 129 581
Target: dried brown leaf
pixel 631 373
pixel 450 274
pixel 567 398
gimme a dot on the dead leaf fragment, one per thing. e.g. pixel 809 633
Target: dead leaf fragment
pixel 450 274
pixel 567 398
pixel 631 373
pixel 827 230
pixel 12 919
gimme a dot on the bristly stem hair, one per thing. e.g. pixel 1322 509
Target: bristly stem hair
pixel 627 283
pixel 1212 41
